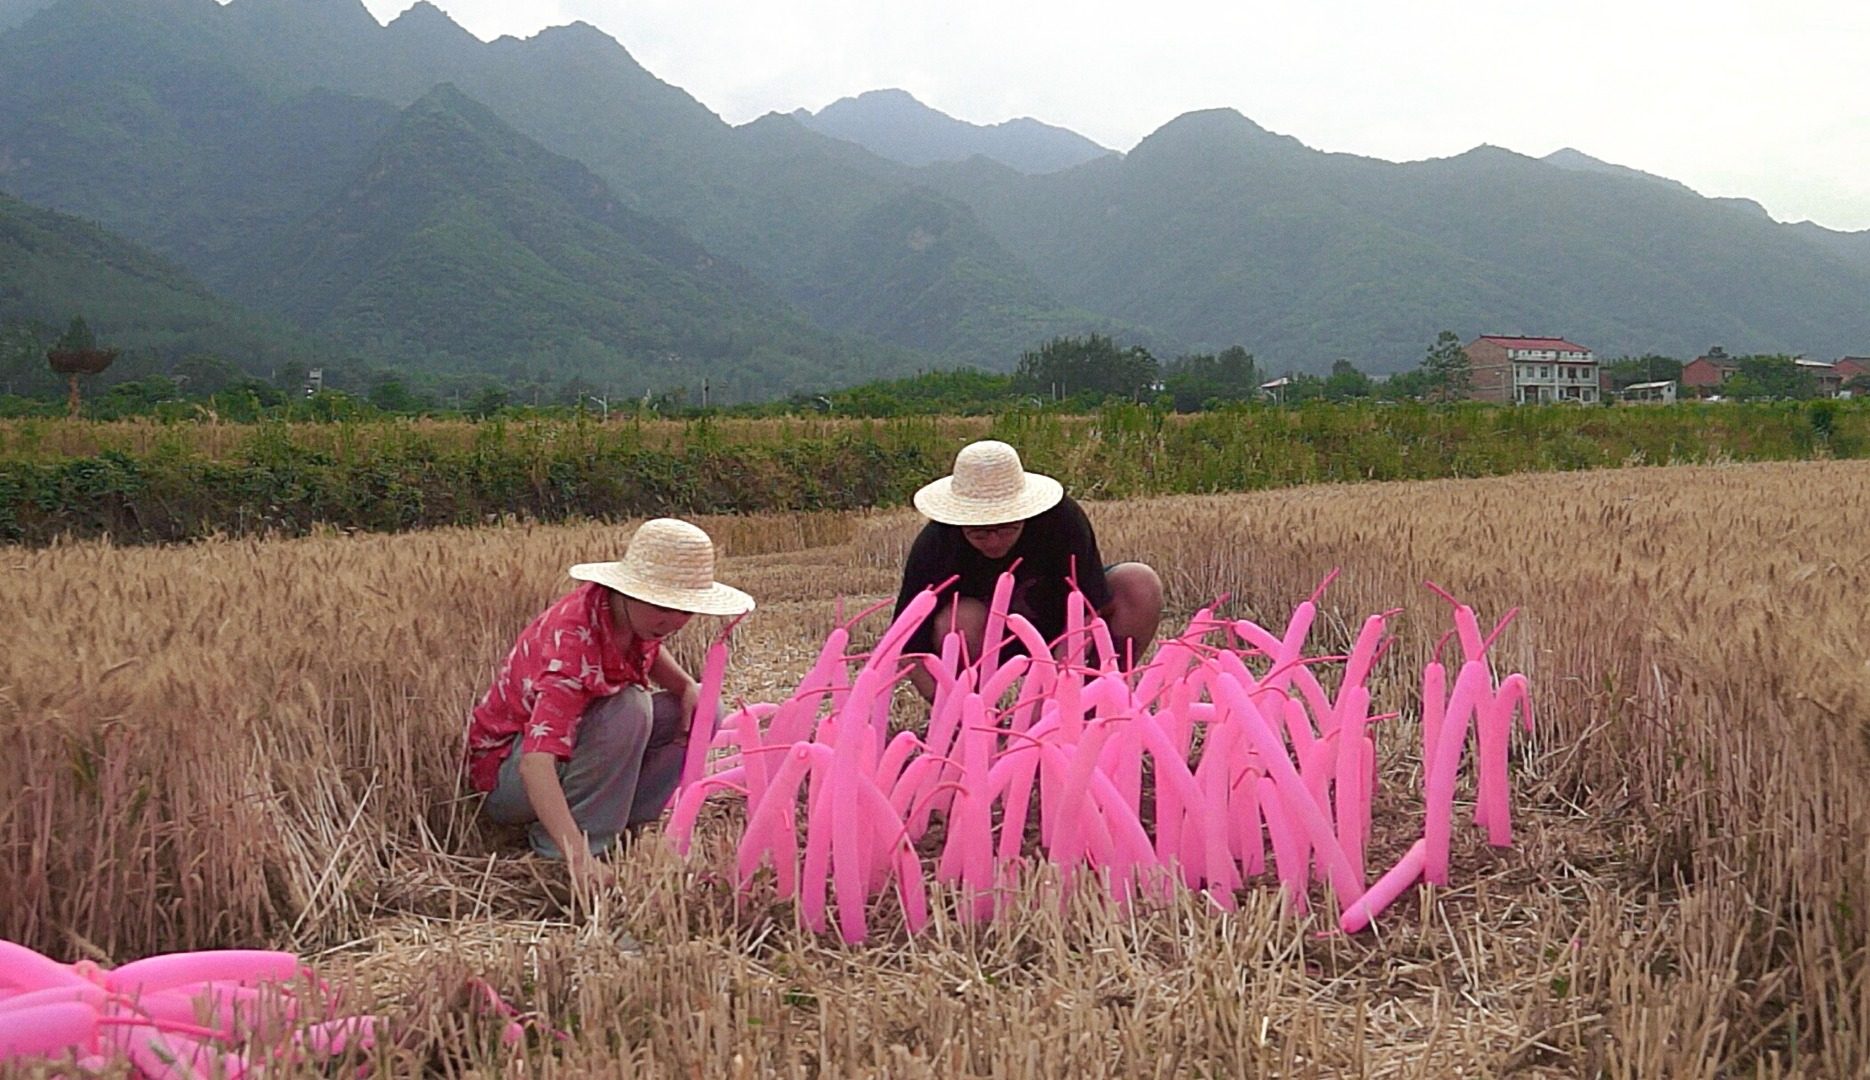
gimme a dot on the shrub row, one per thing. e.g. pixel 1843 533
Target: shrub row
pixel 287 479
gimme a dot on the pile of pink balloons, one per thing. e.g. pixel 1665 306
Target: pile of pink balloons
pixel 1245 745
pixel 175 1015
pixel 223 1014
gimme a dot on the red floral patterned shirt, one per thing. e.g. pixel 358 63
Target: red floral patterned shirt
pixel 563 660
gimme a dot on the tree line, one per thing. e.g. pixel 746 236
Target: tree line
pixel 1067 373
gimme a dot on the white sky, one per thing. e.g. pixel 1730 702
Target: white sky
pixel 1766 100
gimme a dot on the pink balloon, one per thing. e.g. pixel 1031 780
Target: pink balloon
pixel 701 728
pixel 240 967
pixel 1353 796
pixel 1434 702
pixel 1364 652
pixel 23 969
pixel 1469 687
pixel 680 830
pixel 86 994
pixel 770 825
pixel 47 1030
pixel 1289 860
pixel 995 630
pixel 1386 890
pixel 1247 837
pixel 1067 840
pixel 1468 628
pixel 1298 800
pixel 1492 806
pixel 1218 867
pixel 815 875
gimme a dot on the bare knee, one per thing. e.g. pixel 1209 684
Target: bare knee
pixel 1135 606
pixel 1136 589
pixel 970 618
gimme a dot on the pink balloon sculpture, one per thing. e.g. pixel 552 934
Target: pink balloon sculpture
pixel 176 1015
pixel 835 804
pixel 186 1015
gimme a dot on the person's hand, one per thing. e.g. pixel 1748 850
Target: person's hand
pixel 588 871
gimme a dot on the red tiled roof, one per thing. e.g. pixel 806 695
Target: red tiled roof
pixel 1555 344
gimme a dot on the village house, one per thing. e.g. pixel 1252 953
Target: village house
pixel 1824 375
pixel 1531 370
pixel 1851 369
pixel 1704 373
pixel 1661 392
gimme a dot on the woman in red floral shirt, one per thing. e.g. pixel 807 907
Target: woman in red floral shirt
pixel 569 738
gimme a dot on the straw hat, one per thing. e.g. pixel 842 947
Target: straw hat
pixel 669 563
pixel 989 487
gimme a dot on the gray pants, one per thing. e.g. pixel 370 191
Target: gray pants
pixel 623 768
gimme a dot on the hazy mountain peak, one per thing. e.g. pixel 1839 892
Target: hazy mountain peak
pixel 1211 131
pixel 343 14
pixel 1579 161
pixel 892 123
pixel 425 18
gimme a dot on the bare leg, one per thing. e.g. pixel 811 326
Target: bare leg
pixel 965 614
pixel 1135 609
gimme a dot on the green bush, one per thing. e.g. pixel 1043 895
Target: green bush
pixel 287 478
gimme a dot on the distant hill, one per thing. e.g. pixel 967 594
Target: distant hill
pixel 786 203
pixel 1852 247
pixel 893 124
pixel 53 266
pixel 954 288
pixel 1219 231
pixel 462 245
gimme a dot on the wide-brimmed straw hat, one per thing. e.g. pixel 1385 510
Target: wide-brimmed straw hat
pixel 669 563
pixel 989 487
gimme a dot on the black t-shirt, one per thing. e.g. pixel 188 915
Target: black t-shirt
pixel 1053 548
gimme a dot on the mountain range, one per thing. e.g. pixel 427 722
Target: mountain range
pixel 415 196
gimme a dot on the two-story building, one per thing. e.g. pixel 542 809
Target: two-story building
pixel 1705 373
pixel 1531 370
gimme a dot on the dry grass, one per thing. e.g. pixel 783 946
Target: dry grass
pixel 246 743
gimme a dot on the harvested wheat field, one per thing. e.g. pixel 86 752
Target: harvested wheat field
pixel 254 744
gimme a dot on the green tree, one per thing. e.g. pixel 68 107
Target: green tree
pixel 1070 366
pixel 1412 385
pixel 1626 371
pixel 1346 383
pixel 1769 377
pixel 487 401
pixel 1200 381
pixel 392 395
pixel 23 369
pixel 204 375
pixel 77 337
pixel 1450 374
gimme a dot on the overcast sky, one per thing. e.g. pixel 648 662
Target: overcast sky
pixel 1770 101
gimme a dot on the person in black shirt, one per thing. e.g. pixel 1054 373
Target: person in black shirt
pixel 992 514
